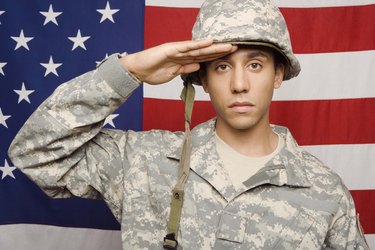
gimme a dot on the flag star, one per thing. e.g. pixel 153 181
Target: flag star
pixel 99 62
pixel 2 64
pixel 50 15
pixel 109 120
pixel 23 93
pixel 51 67
pixel 1 12
pixel 107 13
pixel 22 40
pixel 3 118
pixel 7 170
pixel 79 40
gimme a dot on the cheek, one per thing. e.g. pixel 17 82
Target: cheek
pixel 217 98
pixel 215 86
pixel 263 93
pixel 267 92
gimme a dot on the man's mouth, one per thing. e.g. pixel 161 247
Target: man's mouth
pixel 241 107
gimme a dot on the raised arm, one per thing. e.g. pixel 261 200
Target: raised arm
pixel 62 146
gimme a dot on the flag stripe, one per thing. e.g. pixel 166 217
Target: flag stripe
pixel 307 86
pixel 348 28
pixel 365 202
pixel 328 83
pixel 360 19
pixel 19 237
pixel 167 24
pixel 344 158
pixel 370 238
pixel 280 3
pixel 340 121
pixel 38 237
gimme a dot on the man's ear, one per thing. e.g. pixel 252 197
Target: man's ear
pixel 279 75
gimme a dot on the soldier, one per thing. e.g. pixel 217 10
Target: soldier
pixel 250 185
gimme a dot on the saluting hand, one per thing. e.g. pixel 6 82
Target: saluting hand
pixel 162 63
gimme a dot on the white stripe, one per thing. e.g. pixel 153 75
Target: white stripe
pixel 370 240
pixel 175 3
pixel 341 75
pixel 280 3
pixel 321 3
pixel 353 162
pixel 326 76
pixel 43 237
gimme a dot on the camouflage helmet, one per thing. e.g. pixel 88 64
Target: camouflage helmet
pixel 248 22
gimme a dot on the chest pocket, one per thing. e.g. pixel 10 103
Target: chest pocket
pixel 263 230
pixel 232 228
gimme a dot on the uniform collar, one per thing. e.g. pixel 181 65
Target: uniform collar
pixel 286 168
pixel 205 161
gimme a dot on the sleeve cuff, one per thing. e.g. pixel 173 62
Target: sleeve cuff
pixel 118 77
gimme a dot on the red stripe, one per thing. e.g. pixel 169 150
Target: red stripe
pixel 312 30
pixel 163 24
pixel 365 202
pixel 333 29
pixel 349 121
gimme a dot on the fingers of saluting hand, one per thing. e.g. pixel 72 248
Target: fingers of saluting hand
pixel 199 51
pixel 164 62
pixel 186 46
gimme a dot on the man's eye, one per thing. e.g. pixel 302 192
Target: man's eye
pixel 222 67
pixel 255 66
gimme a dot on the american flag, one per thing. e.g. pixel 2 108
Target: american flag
pixel 329 108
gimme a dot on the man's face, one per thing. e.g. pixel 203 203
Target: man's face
pixel 241 86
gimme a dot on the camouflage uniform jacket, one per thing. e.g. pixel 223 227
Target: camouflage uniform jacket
pixel 294 202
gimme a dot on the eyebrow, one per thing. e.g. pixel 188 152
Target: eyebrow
pixel 257 54
pixel 249 55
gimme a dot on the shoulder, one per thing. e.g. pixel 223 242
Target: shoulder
pixel 317 170
pixel 323 180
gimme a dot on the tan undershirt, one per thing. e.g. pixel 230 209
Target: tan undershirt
pixel 241 167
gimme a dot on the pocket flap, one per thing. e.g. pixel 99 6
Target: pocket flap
pixel 232 227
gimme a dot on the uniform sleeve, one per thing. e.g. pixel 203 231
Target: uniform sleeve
pixel 62 146
pixel 345 231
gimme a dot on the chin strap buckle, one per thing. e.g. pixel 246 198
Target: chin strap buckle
pixel 170 242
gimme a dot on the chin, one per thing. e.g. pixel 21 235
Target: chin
pixel 242 124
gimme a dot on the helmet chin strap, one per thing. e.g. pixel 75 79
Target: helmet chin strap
pixel 170 240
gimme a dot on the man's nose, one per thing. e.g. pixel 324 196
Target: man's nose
pixel 239 82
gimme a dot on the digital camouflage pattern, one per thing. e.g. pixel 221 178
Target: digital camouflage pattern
pixel 248 22
pixel 294 202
